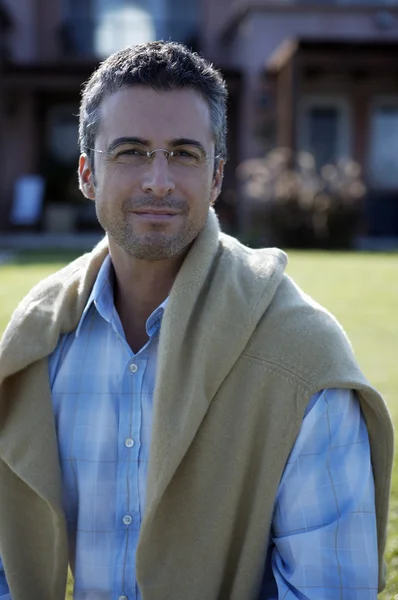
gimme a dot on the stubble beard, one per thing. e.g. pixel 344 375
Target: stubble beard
pixel 151 245
pixel 156 244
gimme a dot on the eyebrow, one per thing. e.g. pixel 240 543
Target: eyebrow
pixel 186 141
pixel 127 140
pixel 137 140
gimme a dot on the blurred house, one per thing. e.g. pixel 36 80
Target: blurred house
pixel 48 49
pixel 320 75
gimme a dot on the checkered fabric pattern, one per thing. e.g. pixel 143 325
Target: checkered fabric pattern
pixel 323 543
pixel 324 539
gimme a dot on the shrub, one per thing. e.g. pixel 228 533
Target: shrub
pixel 295 206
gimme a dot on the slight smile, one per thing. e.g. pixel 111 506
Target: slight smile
pixel 155 215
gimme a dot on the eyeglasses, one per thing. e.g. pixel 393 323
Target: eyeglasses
pixel 137 155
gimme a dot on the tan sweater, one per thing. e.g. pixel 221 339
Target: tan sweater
pixel 241 351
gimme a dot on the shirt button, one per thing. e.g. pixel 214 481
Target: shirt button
pixel 133 368
pixel 123 597
pixel 129 442
pixel 127 520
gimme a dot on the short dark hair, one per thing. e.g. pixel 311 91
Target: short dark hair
pixel 163 66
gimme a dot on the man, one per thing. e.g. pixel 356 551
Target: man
pixel 178 420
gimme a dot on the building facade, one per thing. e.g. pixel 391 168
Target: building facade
pixel 317 75
pixel 49 48
pixel 320 75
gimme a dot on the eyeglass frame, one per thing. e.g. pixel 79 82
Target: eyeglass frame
pixel 150 153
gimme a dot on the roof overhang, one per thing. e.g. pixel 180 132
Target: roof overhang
pixel 364 51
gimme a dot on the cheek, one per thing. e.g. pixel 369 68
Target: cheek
pixel 113 184
pixel 200 185
pixel 198 196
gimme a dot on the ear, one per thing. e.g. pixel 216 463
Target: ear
pixel 86 177
pixel 217 182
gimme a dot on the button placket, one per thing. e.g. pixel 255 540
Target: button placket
pixel 130 442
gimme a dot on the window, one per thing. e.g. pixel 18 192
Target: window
pixel 324 128
pixel 323 124
pixel 62 133
pixel 101 27
pixel 121 23
pixel 383 149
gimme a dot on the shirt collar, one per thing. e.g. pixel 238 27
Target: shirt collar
pixel 101 298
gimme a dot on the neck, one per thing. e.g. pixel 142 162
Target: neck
pixel 140 286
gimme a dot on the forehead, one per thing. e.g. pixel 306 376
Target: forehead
pixel 157 116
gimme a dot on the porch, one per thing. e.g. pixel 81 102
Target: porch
pixel 340 100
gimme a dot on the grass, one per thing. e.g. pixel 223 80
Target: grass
pixel 362 292
pixel 360 289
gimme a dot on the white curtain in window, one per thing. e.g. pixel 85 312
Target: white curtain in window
pixel 122 23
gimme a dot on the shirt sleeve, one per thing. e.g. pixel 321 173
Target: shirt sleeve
pixel 324 539
pixel 4 589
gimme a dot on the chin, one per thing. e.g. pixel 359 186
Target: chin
pixel 152 248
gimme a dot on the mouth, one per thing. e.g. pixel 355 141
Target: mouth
pixel 155 215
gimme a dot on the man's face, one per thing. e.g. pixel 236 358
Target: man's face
pixel 153 210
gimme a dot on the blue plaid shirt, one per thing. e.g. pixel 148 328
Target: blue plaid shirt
pixel 323 541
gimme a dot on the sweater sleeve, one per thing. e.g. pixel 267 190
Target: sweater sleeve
pixel 324 528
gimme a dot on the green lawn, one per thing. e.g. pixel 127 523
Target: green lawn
pixel 360 289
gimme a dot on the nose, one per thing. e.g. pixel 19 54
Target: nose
pixel 157 177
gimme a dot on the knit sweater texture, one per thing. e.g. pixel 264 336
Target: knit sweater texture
pixel 241 351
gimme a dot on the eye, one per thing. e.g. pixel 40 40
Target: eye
pixel 184 153
pixel 189 155
pixel 133 151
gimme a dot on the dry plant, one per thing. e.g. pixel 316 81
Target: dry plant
pixel 295 206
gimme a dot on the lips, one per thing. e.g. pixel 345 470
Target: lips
pixel 155 215
pixel 155 212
